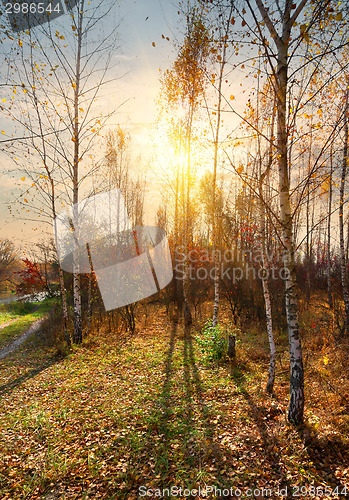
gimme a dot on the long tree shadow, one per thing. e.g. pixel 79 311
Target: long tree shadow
pixel 271 445
pixel 179 438
pixel 194 389
pixel 163 411
pixel 325 450
pixel 156 440
pixel 318 450
pixel 10 386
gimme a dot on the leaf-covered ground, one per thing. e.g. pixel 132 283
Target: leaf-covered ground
pixel 121 413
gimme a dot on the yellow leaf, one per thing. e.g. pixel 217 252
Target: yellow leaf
pixel 3 131
pixel 4 100
pixel 22 178
pixel 20 42
pixel 232 97
pixel 74 85
pixel 325 360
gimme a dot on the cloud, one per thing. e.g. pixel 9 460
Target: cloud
pixel 123 57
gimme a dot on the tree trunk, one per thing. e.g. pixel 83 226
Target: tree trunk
pixel 215 235
pixel 268 310
pixel 308 287
pixel 77 335
pixel 343 263
pixel 64 307
pixel 265 261
pixel 296 405
pixel 231 348
pixel 268 314
pixel 186 212
pixel 177 295
pixel 329 282
pixel 89 296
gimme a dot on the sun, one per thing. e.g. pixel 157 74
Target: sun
pixel 171 149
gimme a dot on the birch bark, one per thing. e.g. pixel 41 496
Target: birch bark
pixel 296 404
pixel 343 262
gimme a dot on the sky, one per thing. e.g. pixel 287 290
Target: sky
pixel 141 24
pixel 143 51
pixel 141 54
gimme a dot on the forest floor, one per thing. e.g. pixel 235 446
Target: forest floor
pixel 127 417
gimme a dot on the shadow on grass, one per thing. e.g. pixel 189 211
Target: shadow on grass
pixel 164 404
pixel 325 452
pixel 319 451
pixel 178 445
pixel 271 445
pixel 194 394
pixel 13 384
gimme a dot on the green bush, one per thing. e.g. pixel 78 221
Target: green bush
pixel 213 341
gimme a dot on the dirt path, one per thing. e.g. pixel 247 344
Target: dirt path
pixel 20 340
pixel 7 323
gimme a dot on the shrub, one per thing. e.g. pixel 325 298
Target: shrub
pixel 213 341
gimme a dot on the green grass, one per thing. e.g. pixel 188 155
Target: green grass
pixel 14 310
pixel 22 315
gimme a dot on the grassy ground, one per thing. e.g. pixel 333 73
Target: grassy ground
pixel 118 414
pixel 16 317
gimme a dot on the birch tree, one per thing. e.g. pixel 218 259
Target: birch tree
pixel 343 260
pixel 185 84
pixel 220 50
pixel 280 51
pixel 280 72
pixel 56 74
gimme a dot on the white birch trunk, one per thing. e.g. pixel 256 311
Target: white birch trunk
pixel 77 335
pixel 267 300
pixel 296 405
pixel 343 262
pixel 269 319
pixel 329 282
